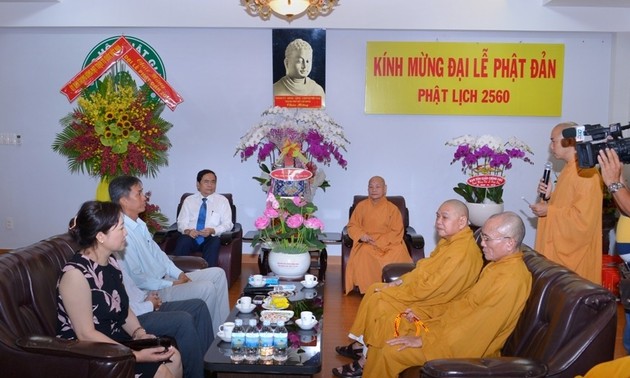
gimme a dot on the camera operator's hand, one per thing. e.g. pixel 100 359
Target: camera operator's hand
pixel 610 165
pixel 611 170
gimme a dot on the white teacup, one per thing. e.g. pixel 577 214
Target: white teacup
pixel 223 337
pixel 244 302
pixel 226 328
pixel 307 317
pixel 310 279
pixel 257 280
pixel 310 293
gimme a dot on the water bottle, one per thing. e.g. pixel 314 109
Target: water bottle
pixel 280 342
pixel 265 348
pixel 251 342
pixel 238 342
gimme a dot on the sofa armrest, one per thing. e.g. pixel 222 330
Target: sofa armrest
pixel 189 263
pixel 47 345
pixel 484 367
pixel 235 233
pixel 417 240
pixel 392 272
pixel 345 238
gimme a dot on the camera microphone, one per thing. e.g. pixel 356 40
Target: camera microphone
pixel 546 176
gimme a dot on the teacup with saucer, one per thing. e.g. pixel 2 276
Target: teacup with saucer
pixel 305 326
pixel 309 284
pixel 245 308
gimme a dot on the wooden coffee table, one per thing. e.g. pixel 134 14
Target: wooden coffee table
pixel 305 358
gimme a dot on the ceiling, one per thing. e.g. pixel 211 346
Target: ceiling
pixel 588 3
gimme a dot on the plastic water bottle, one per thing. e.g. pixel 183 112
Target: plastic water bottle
pixel 265 348
pixel 280 342
pixel 238 342
pixel 252 340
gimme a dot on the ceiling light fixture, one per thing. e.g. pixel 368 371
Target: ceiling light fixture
pixel 289 9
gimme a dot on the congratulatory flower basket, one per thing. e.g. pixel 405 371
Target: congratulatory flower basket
pixel 485 160
pixel 116 130
pixel 294 138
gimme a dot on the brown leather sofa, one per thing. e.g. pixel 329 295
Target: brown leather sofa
pixel 567 327
pixel 28 319
pixel 413 240
pixel 230 252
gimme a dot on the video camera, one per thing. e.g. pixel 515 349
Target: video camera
pixel 593 138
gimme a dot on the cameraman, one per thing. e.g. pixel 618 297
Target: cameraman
pixel 611 169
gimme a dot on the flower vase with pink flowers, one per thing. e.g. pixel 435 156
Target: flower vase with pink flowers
pixel 290 230
pixel 288 225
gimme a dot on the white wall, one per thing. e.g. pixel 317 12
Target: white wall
pixel 224 76
pixel 496 15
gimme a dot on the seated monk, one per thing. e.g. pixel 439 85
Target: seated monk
pixel 451 269
pixel 615 368
pixel 477 324
pixel 377 230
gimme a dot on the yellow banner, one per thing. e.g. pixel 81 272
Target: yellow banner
pixel 453 78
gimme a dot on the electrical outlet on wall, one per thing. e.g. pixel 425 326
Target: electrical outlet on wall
pixel 8 223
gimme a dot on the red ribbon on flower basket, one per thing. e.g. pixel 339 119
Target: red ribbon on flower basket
pixel 419 324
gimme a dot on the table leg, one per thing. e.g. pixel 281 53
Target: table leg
pixel 323 261
pixel 263 261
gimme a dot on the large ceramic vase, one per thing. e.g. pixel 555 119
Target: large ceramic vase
pixel 290 266
pixel 478 213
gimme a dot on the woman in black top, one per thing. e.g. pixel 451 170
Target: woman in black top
pixel 92 302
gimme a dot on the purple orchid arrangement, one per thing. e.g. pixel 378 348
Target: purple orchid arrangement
pixel 318 137
pixel 294 137
pixel 486 157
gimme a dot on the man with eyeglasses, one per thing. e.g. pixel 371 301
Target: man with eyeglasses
pixel 451 269
pixel 475 325
pixel 151 269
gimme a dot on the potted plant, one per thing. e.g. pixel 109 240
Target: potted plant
pixel 485 160
pixel 289 228
pixel 294 137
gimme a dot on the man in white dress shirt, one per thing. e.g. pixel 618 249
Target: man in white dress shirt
pixel 201 233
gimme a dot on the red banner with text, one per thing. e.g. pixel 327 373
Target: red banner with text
pixel 122 50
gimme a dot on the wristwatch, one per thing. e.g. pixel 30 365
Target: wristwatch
pixel 615 186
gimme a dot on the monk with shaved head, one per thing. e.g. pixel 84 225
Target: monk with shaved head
pixel 569 228
pixel 376 229
pixel 451 269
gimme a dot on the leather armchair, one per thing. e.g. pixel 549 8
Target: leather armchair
pixel 413 241
pixel 28 320
pixel 231 251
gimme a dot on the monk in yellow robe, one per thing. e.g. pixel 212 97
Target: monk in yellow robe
pixel 475 325
pixel 452 268
pixel 377 230
pixel 570 222
pixel 615 368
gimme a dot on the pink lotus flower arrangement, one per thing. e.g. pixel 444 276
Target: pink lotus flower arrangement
pixel 288 225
